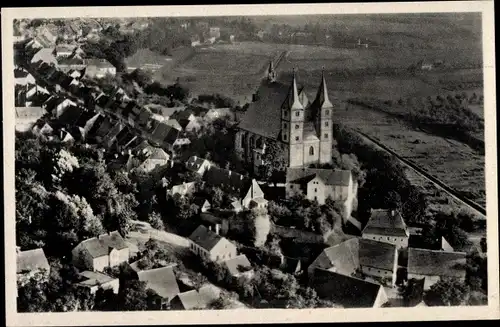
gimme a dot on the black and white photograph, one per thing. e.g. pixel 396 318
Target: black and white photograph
pixel 231 161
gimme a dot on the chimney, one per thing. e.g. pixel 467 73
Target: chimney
pixel 195 158
pixel 210 228
pixel 393 212
pixel 241 177
pixel 229 172
pixel 217 228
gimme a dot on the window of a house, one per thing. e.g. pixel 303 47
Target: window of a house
pixel 296 138
pixel 297 113
pixel 311 151
pixel 315 190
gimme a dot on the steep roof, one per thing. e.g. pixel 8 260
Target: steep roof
pixel 386 222
pixel 31 260
pixel 234 264
pixel 98 247
pixel 205 238
pixel 376 254
pixel 349 291
pixel 227 180
pixel 436 263
pixel 94 278
pixel 342 258
pixel 329 176
pixel 263 117
pixel 194 163
pixel 161 280
pixel 198 299
pixel 30 112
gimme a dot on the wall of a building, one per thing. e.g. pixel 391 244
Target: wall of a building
pixel 399 241
pixel 223 250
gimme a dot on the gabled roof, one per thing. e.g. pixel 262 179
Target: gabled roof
pixel 386 222
pixel 376 254
pixel 347 290
pixel 31 260
pixel 162 110
pixel 161 280
pixel 30 112
pixel 329 176
pixel 227 180
pixel 205 238
pixel 98 247
pixel 342 258
pixel 436 263
pixel 158 154
pixel 94 278
pixel 234 264
pixel 198 299
pixel 194 163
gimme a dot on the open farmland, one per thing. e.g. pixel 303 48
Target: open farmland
pixel 233 70
pixel 454 163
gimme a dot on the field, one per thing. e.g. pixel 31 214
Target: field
pixel 452 162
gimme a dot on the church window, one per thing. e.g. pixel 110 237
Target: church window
pixel 326 123
pixel 297 113
pixel 311 151
pixel 326 135
pixel 297 126
pixel 285 126
pixel 327 112
pixel 296 138
pixel 285 113
pixel 315 190
pixel 284 137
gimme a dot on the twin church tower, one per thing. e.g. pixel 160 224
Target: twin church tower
pixel 284 113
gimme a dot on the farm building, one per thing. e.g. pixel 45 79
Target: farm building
pixel 387 226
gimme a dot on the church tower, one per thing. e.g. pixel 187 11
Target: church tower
pixel 271 73
pixel 324 113
pixel 292 125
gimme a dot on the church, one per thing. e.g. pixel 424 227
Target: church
pixel 284 113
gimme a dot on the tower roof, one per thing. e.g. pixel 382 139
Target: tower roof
pixel 293 95
pixel 322 96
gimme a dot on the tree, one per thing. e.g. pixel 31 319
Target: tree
pixel 447 292
pixel 274 160
pixel 222 302
pixel 412 292
pixel 156 221
pixel 134 296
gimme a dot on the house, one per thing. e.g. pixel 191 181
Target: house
pixel 210 245
pixel 162 281
pixel 97 253
pixel 247 191
pixel 291 265
pixel 182 189
pixel 417 240
pixel 29 263
pixel 99 68
pixel 214 32
pixel 239 266
pixel 195 41
pixel 387 226
pixel 216 113
pixel 64 50
pixel 57 105
pixel 45 55
pixel 156 160
pixel 93 280
pixel 26 117
pixel 65 136
pixel 321 184
pixel 370 258
pixel 378 259
pixel 195 299
pixel 202 203
pixel 435 264
pixel 198 165
pixel 22 77
pixel 72 63
pixel 348 291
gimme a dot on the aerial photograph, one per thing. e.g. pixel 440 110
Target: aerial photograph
pixel 247 162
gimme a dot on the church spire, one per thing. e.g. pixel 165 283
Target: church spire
pixel 293 97
pixel 322 96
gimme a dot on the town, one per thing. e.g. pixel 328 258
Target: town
pixel 133 194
